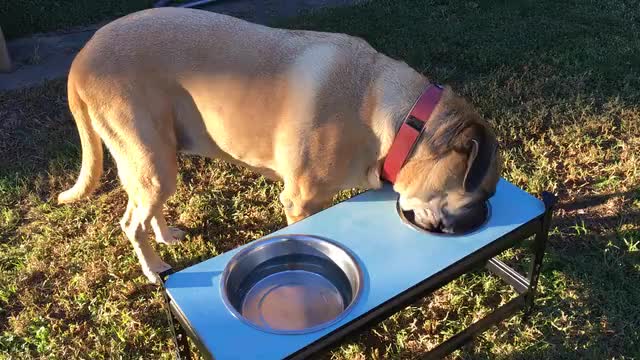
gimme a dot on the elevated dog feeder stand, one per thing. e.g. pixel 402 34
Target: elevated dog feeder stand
pixel 398 264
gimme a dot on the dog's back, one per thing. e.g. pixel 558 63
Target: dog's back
pixel 219 83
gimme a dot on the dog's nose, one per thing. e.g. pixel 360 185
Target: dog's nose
pixel 439 225
pixel 436 225
pixel 445 228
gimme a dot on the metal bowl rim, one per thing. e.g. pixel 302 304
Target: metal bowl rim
pixel 259 244
pixel 418 228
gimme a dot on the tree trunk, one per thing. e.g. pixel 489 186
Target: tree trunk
pixel 5 62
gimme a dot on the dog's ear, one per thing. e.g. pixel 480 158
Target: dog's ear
pixel 481 150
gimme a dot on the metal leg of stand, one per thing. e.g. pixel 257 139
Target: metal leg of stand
pixel 177 332
pixel 539 247
pixel 475 329
pixel 525 287
pixel 508 275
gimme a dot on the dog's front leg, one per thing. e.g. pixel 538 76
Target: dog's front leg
pixel 301 201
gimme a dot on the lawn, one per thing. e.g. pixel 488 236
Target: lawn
pixel 560 81
pixel 24 17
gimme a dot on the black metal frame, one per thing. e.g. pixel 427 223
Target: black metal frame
pixel 177 328
pixel 526 287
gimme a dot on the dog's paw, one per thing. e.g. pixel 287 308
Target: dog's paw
pixel 177 236
pixel 153 272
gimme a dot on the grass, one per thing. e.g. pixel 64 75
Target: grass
pixel 559 80
pixel 24 17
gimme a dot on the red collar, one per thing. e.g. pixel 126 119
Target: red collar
pixel 409 132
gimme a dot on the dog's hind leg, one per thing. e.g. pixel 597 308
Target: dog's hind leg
pixel 137 231
pixel 148 190
pixel 147 168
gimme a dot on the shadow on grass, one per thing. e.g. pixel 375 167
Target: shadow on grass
pixel 584 309
pixel 472 42
pixel 596 199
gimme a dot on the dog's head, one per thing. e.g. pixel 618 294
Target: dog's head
pixel 452 171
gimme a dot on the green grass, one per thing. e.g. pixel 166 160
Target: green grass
pixel 24 17
pixel 559 80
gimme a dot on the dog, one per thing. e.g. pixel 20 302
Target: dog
pixel 317 111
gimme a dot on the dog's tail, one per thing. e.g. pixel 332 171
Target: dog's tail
pixel 91 151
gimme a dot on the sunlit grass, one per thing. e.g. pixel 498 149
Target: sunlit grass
pixel 560 83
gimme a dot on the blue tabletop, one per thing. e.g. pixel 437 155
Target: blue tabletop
pixel 395 257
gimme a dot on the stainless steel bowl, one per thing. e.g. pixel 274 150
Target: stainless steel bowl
pixel 407 218
pixel 292 284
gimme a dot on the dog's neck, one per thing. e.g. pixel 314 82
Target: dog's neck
pixel 396 91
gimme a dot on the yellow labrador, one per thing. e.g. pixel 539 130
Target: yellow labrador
pixel 318 111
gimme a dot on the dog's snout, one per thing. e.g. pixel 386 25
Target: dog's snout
pixel 468 219
pixel 430 220
pixel 459 221
pixel 439 225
